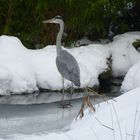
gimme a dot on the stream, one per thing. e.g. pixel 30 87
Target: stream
pixel 37 113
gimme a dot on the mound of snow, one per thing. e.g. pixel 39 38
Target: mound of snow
pixel 29 70
pixel 124 55
pixel 132 78
pixel 5 80
pixel 19 75
pixel 90 59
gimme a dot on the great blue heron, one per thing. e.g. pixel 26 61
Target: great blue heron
pixel 65 62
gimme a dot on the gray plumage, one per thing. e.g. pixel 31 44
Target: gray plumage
pixel 68 67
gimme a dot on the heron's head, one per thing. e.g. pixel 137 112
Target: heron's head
pixel 56 20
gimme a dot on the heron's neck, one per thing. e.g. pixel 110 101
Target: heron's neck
pixel 59 37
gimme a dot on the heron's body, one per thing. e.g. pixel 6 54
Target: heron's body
pixel 68 67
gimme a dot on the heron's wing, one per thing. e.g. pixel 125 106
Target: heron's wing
pixel 68 67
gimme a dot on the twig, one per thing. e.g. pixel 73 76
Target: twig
pixel 81 111
pixel 129 134
pixel 138 121
pixel 94 93
pixel 94 133
pixel 139 136
pixel 112 123
pixel 68 136
pixel 117 121
pixel 85 101
pixel 135 123
pixel 126 132
pixel 104 125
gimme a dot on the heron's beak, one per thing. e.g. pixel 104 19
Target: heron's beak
pixel 48 21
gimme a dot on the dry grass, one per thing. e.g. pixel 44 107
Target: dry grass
pixel 87 103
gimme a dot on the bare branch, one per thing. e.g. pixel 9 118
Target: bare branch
pixel 104 125
pixel 117 121
pixel 134 128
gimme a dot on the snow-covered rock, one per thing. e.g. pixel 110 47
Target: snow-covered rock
pixel 124 55
pixel 132 78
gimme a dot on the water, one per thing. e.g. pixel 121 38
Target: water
pixel 43 116
pixel 28 119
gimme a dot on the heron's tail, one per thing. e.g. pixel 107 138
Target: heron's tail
pixel 77 83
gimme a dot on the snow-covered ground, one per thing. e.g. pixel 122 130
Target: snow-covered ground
pixel 25 71
pixel 113 120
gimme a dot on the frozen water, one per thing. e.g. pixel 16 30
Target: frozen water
pixel 36 119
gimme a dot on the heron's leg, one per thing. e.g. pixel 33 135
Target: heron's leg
pixel 71 93
pixel 63 91
pixel 62 101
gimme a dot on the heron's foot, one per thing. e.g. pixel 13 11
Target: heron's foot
pixel 64 104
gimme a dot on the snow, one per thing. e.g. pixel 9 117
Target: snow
pixel 118 119
pixel 124 55
pixel 18 72
pixel 26 71
pixel 85 41
pixel 132 78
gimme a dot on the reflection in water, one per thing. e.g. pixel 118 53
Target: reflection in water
pixel 36 98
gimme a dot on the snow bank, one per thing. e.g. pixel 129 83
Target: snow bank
pixel 108 122
pixel 25 71
pixel 132 78
pixel 16 73
pixel 124 55
pixel 91 65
